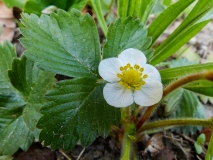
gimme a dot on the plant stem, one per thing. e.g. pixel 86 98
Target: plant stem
pixel 177 122
pixel 171 87
pixel 146 115
pixel 203 75
pixel 126 148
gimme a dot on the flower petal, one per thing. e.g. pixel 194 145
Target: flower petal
pixel 150 93
pixel 109 68
pixel 117 96
pixel 152 72
pixel 132 56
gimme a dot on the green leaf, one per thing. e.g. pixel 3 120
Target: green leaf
pixel 62 43
pixel 209 153
pixel 170 74
pixel 32 84
pixel 6 157
pixel 7 115
pixel 77 4
pixel 106 6
pixel 201 138
pixel 166 18
pixel 127 34
pixel 96 5
pixel 201 86
pixel 146 7
pixel 183 103
pixel 8 96
pixel 198 148
pixel 180 62
pixel 167 2
pixel 159 7
pixel 200 9
pixel 20 129
pixel 15 135
pixel 14 3
pixel 128 8
pixel 36 6
pixel 76 111
pixel 170 48
pixel 7 53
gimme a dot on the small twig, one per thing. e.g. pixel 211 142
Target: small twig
pixel 81 153
pixel 64 154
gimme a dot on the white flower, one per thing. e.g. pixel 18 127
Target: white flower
pixel 130 80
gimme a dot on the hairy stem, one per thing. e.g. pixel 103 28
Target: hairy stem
pixel 177 122
pixel 171 87
pixel 146 115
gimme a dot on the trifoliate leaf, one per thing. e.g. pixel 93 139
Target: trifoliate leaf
pixel 183 103
pixel 62 43
pixel 127 34
pixel 76 111
pixel 31 84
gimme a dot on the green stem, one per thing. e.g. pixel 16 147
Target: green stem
pixel 126 148
pixel 177 122
pixel 209 152
pixel 146 115
pixel 171 87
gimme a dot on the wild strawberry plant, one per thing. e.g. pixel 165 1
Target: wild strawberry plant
pixel 102 78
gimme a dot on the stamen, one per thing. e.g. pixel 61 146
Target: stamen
pixel 145 76
pixel 143 82
pixel 119 75
pixel 137 88
pixel 131 77
pixel 141 69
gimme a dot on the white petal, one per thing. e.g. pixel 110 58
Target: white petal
pixel 150 93
pixel 132 56
pixel 117 96
pixel 152 72
pixel 108 69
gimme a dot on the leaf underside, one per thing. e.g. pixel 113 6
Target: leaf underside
pixel 184 103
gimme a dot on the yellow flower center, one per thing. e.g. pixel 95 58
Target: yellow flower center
pixel 132 77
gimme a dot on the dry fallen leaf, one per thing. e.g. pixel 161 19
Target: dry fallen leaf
pixel 7 23
pixel 155 144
